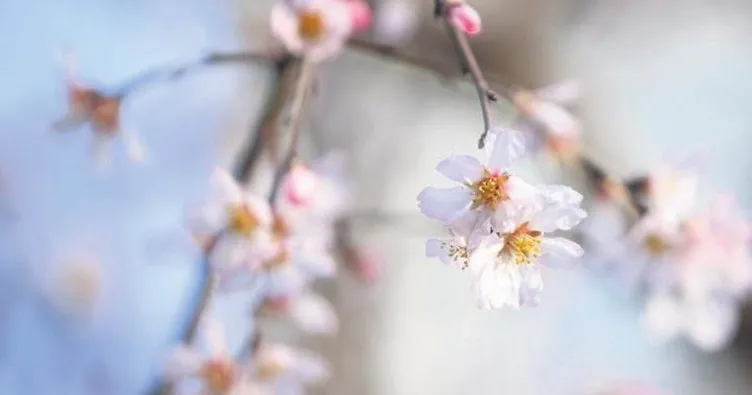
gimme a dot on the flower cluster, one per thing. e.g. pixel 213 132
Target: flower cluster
pixel 499 224
pixel 277 251
pixel 693 264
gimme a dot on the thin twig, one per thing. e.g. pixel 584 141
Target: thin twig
pixel 170 73
pixel 302 93
pixel 264 131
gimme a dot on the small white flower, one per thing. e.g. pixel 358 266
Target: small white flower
pixel 316 29
pixel 310 311
pixel 673 188
pixel 233 226
pixel 288 370
pixel 214 366
pixel 506 266
pixel 709 323
pixel 484 190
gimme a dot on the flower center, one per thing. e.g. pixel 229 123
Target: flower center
pixel 106 115
pixel 311 25
pixel 242 219
pixel 457 253
pixel 655 244
pixel 219 375
pixel 268 370
pixel 490 190
pixel 524 245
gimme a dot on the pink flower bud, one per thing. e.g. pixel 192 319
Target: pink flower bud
pixel 367 265
pixel 300 185
pixel 466 18
pixel 361 14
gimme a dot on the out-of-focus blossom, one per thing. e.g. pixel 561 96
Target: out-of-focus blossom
pixel 464 17
pixel 361 14
pixel 310 311
pixel 484 189
pixel 300 185
pixel 287 371
pixel 316 29
pixel 506 265
pixel 395 21
pixel 233 226
pixel 86 104
pixel 76 286
pixel 367 264
pixel 672 191
pixel 298 263
pixel 546 107
pixel 213 365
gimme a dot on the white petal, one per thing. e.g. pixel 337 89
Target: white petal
pixel 285 280
pixel 559 252
pixel 712 324
pixel 284 26
pixel 224 188
pixel 435 248
pixel 561 194
pixel 498 286
pixel 311 368
pixel 559 217
pixel 314 314
pixel 558 120
pixel 461 168
pixel 213 332
pixel 183 362
pixel 531 287
pixel 562 93
pixel 133 146
pixel 485 255
pixel 663 317
pixel 444 204
pixel 520 191
pixel 508 146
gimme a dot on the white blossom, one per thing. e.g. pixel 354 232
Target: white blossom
pixel 316 29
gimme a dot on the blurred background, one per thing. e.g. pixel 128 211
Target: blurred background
pixel 659 79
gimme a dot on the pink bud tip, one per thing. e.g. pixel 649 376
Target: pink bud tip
pixel 300 185
pixel 361 15
pixel 367 265
pixel 278 303
pixel 466 18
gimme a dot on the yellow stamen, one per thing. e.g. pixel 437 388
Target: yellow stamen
pixel 655 244
pixel 490 190
pixel 311 25
pixel 268 370
pixel 219 375
pixel 524 245
pixel 242 219
pixel 457 253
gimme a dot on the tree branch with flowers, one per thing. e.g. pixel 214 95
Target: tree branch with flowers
pixel 692 267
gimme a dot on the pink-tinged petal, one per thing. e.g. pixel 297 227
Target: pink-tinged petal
pixel 554 218
pixel 465 18
pixel 224 188
pixel 314 314
pixel 285 280
pixel 508 146
pixel 485 256
pixel 663 317
pixel 712 324
pixel 300 185
pixel 559 253
pixel 560 194
pixel 444 204
pixel 461 168
pixel 284 26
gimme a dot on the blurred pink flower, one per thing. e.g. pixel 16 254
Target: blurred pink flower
pixel 362 17
pixel 299 185
pixel 464 17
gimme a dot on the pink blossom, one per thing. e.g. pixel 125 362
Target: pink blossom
pixel 366 264
pixel 466 18
pixel 299 186
pixel 362 17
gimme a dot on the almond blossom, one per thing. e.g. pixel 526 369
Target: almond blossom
pixel 484 189
pixel 234 227
pixel 463 16
pixel 316 29
pixel 212 365
pixel 546 107
pixel 506 267
pixel 286 370
pixel 310 311
pixel 87 105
